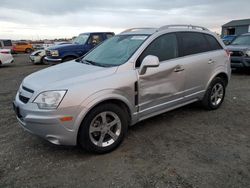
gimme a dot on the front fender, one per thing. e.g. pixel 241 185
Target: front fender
pixel 102 96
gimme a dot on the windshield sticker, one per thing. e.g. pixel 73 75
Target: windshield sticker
pixel 138 37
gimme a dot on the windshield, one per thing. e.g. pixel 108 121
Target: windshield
pixel 116 50
pixel 242 40
pixel 81 39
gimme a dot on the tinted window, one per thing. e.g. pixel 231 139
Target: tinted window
pixel 214 44
pixel 7 43
pixel 22 43
pixel 164 47
pixel 193 43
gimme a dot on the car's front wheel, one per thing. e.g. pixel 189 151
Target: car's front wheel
pixel 215 94
pixel 103 129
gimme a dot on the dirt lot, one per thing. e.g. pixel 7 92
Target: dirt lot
pixel 188 147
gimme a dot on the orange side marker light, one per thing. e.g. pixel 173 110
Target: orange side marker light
pixel 66 118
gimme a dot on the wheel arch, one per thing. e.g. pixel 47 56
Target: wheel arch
pixel 69 56
pixel 113 100
pixel 220 74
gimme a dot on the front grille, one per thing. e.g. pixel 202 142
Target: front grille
pixel 23 99
pixel 48 53
pixel 237 53
pixel 27 89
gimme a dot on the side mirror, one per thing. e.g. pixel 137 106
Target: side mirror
pixel 148 61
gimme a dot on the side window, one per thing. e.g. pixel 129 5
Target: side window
pixel 214 44
pixel 164 47
pixel 95 39
pixel 193 43
pixel 7 43
pixel 109 35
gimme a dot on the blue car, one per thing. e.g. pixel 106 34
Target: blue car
pixel 228 39
pixel 80 46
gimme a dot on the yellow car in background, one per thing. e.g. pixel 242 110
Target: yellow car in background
pixel 22 47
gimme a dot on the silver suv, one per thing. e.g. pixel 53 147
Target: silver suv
pixel 132 76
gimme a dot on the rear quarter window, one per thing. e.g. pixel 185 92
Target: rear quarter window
pixel 214 44
pixel 193 43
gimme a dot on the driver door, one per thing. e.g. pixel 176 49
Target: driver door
pixel 161 87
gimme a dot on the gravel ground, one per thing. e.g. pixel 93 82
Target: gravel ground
pixel 188 147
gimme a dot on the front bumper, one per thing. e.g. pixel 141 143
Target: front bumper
pixel 46 123
pixel 53 60
pixel 35 59
pixel 240 62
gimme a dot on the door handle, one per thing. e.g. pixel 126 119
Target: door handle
pixel 210 61
pixel 179 68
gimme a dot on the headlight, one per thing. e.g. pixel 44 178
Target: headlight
pixel 49 99
pixel 248 53
pixel 54 52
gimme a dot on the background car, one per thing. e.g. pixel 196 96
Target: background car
pixel 228 39
pixel 37 57
pixel 80 46
pixel 5 56
pixel 240 51
pixel 5 44
pixel 22 47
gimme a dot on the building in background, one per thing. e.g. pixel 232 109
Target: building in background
pixel 236 27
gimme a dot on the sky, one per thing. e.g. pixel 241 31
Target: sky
pixel 40 19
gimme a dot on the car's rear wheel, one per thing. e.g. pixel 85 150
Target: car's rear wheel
pixel 103 129
pixel 28 50
pixel 215 94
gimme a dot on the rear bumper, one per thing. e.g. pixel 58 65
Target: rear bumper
pixel 53 60
pixel 240 62
pixel 8 61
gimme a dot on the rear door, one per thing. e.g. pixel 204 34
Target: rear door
pixel 161 87
pixel 198 64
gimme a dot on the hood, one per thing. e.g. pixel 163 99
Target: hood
pixel 238 47
pixel 63 75
pixel 66 47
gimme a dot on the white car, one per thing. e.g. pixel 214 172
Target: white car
pixel 5 56
pixel 38 57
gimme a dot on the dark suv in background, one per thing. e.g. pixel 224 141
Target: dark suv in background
pixel 81 45
pixel 240 51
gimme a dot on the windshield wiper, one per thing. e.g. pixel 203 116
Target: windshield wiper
pixel 94 63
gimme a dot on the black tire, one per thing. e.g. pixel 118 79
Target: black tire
pixel 207 101
pixel 42 61
pixel 68 59
pixel 28 50
pixel 85 138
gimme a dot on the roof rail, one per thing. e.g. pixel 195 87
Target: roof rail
pixel 183 26
pixel 136 29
